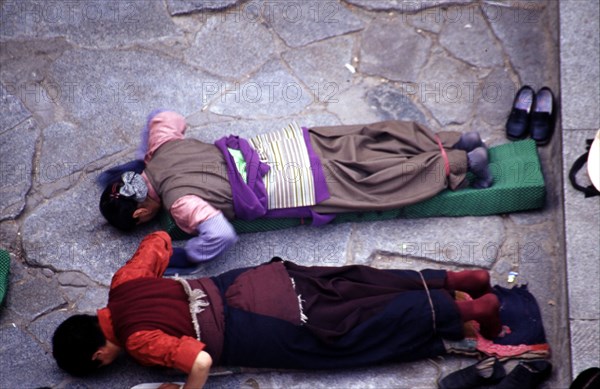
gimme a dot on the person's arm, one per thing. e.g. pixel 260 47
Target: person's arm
pixel 199 374
pixel 150 259
pixel 214 233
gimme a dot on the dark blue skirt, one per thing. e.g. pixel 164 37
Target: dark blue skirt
pixel 357 316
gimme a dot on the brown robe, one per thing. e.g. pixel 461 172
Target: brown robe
pixel 385 165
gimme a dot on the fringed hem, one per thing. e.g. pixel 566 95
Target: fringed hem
pixel 303 317
pixel 197 303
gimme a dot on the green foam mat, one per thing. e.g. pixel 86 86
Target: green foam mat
pixel 4 268
pixel 518 186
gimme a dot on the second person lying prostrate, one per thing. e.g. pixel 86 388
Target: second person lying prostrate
pixel 295 172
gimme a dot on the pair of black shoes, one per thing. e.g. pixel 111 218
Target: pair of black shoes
pixel 490 373
pixel 532 113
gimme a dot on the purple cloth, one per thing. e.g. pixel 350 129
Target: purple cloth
pixel 250 199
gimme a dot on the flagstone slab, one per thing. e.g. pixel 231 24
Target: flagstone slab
pixel 579 57
pixel 469 38
pixel 585 337
pixel 12 111
pixel 17 150
pixel 322 67
pixel 34 297
pixel 33 368
pixel 111 92
pixel 305 245
pixel 535 60
pixel 403 5
pixel 231 48
pixel 67 150
pixel 300 23
pixel 68 233
pixel 93 23
pixel 43 328
pixel 435 239
pixel 272 92
pixel 448 89
pixel 394 104
pixel 494 97
pixel 393 49
pixel 180 7
pixel 249 128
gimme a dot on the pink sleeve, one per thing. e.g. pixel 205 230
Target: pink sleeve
pixel 189 211
pixel 164 127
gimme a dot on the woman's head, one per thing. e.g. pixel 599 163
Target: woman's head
pixel 125 204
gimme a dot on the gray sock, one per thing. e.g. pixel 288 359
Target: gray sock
pixel 469 141
pixel 479 166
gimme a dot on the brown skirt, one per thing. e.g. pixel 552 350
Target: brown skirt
pixel 385 165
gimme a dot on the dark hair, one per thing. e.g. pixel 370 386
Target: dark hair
pixel 74 343
pixel 118 209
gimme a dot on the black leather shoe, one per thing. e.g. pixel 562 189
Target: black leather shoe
pixel 526 375
pixel 517 125
pixel 485 372
pixel 543 117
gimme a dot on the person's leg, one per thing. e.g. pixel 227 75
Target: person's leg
pixel 479 165
pixel 486 311
pixel 474 282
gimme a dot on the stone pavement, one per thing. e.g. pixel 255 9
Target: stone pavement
pixel 78 78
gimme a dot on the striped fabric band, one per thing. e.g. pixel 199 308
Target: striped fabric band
pixel 289 182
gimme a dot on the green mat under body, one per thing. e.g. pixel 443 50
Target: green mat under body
pixel 518 186
pixel 4 269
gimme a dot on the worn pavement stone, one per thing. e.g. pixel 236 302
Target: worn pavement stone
pixel 250 128
pixel 494 96
pixel 309 246
pixel 272 92
pixel 394 104
pixel 33 368
pixel 580 57
pixel 115 95
pixel 322 66
pixel 404 6
pixel 34 297
pixel 392 49
pixel 69 233
pixel 469 38
pixel 178 7
pixel 94 23
pixel 435 239
pixel 43 328
pixel 448 90
pixel 301 23
pixel 57 161
pixel 12 111
pixel 585 337
pixel 582 248
pixel 353 108
pixel 92 299
pixel 534 59
pixel 231 48
pixel 17 150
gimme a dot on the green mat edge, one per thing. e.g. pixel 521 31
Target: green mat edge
pixel 511 200
pixel 4 270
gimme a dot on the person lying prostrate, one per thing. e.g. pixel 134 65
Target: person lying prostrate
pixel 295 172
pixel 275 315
